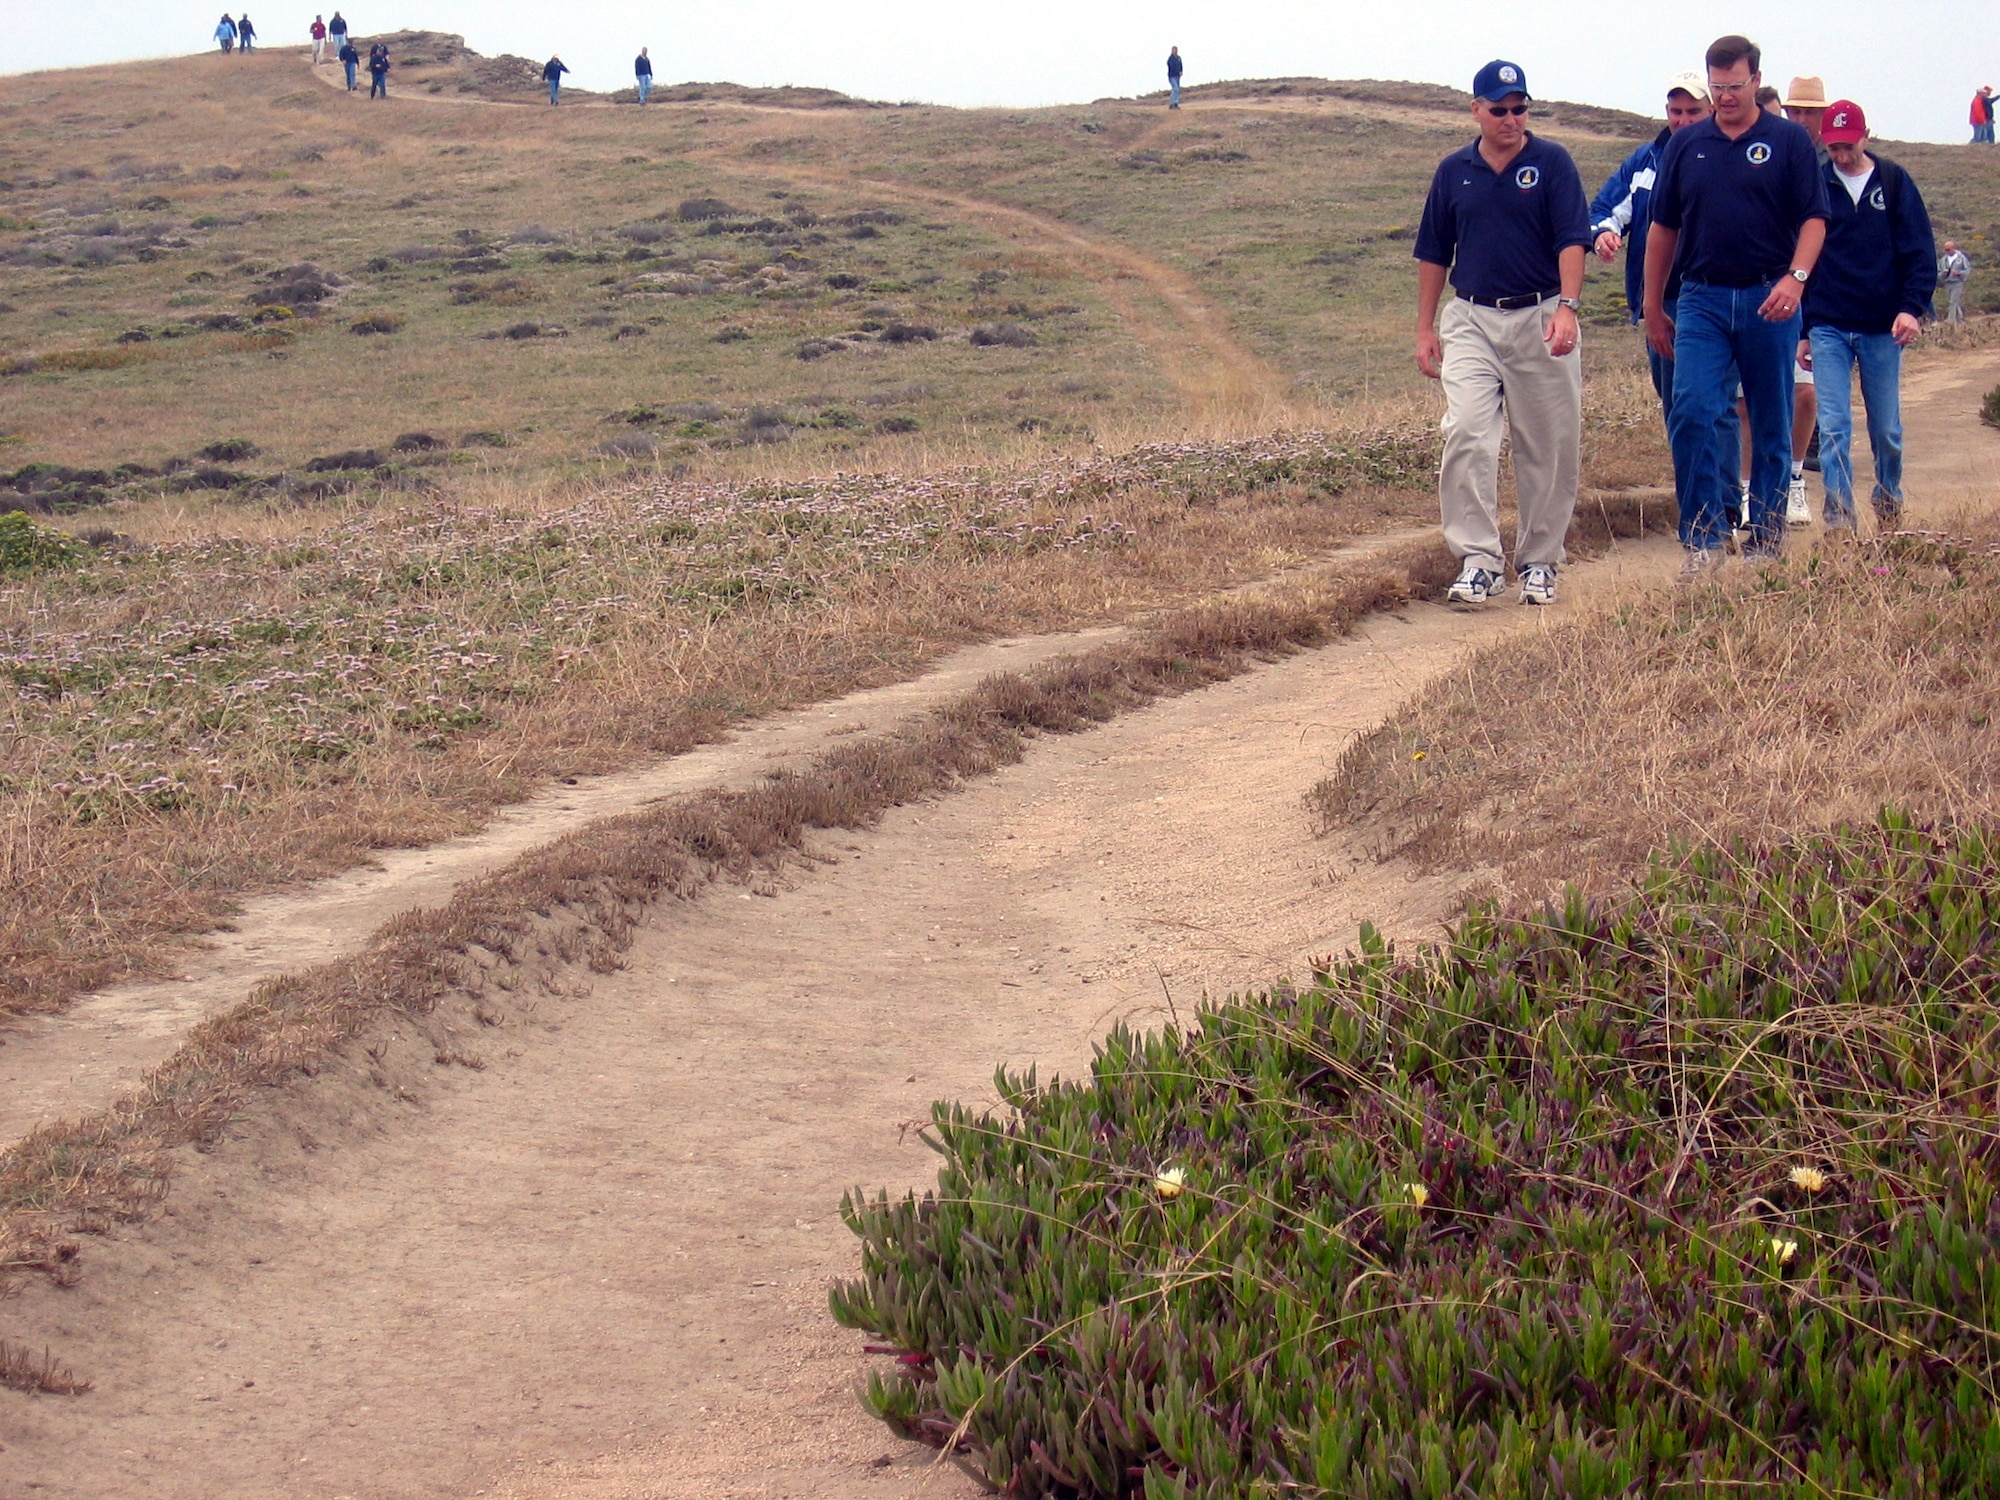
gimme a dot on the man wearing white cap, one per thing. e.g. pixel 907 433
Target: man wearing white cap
pixel 1621 213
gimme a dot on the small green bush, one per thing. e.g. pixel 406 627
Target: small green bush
pixel 28 548
pixel 1698 1193
pixel 1989 409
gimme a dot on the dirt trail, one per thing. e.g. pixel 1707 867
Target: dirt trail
pixel 85 1057
pixel 597 1267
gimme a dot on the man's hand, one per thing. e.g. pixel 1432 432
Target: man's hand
pixel 1904 330
pixel 1608 244
pixel 1660 332
pixel 1561 334
pixel 1430 353
pixel 1783 303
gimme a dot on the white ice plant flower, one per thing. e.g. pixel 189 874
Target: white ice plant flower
pixel 1170 1182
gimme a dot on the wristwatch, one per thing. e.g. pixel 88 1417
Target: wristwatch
pixel 1574 304
pixel 1800 276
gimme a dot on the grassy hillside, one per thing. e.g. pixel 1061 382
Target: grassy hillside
pixel 235 252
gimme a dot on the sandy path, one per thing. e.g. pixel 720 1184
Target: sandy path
pixel 597 1266
pixel 86 1056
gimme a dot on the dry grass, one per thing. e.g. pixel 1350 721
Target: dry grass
pixel 1786 700
pixel 578 901
pixel 21 1371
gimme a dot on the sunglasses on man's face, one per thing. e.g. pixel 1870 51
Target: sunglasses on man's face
pixel 1506 109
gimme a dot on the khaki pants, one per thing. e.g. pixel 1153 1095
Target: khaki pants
pixel 319 50
pixel 1495 366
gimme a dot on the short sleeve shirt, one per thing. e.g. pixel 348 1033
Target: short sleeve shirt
pixel 1501 233
pixel 1738 205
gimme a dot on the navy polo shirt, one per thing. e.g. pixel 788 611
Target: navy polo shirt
pixel 1501 232
pixel 1739 205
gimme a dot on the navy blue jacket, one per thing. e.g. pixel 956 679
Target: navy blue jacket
pixel 1173 65
pixel 1624 205
pixel 552 70
pixel 1880 258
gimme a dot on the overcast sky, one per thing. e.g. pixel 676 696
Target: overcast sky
pixel 1912 64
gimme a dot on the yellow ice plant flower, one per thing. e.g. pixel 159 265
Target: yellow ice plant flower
pixel 1783 1251
pixel 1419 1194
pixel 1170 1182
pixel 1809 1179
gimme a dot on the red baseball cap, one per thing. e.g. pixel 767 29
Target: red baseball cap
pixel 1844 123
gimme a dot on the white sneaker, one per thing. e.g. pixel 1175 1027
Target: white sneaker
pixel 1797 512
pixel 1474 587
pixel 1698 565
pixel 1538 584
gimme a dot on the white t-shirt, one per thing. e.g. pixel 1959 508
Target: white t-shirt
pixel 1856 186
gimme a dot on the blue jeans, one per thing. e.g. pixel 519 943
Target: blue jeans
pixel 645 86
pixel 1835 355
pixel 350 76
pixel 1717 329
pixel 555 88
pixel 1174 92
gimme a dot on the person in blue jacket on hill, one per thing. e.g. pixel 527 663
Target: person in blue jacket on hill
pixel 553 71
pixel 1173 78
pixel 1622 212
pixel 1864 305
pixel 225 34
pixel 349 59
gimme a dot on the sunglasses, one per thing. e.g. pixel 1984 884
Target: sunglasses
pixel 1506 109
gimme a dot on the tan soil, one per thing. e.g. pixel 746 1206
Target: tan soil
pixel 595 1265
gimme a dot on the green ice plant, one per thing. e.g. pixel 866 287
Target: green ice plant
pixel 1689 1193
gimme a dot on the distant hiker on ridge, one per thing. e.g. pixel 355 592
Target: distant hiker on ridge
pixel 378 71
pixel 1739 210
pixel 245 33
pixel 1868 295
pixel 1506 220
pixel 1982 115
pixel 553 71
pixel 1173 78
pixel 318 32
pixel 642 69
pixel 225 33
pixel 1953 269
pixel 336 31
pixel 349 60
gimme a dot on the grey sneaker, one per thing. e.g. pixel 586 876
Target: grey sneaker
pixel 1698 565
pixel 1538 584
pixel 1474 587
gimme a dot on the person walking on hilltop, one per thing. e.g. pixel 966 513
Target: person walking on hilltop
pixel 1173 78
pixel 1982 116
pixel 225 34
pixel 378 71
pixel 1953 269
pixel 318 33
pixel 1865 304
pixel 336 33
pixel 1507 223
pixel 552 71
pixel 349 60
pixel 1740 208
pixel 245 34
pixel 642 70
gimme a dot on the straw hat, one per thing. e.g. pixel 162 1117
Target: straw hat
pixel 1806 93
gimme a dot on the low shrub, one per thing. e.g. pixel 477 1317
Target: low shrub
pixel 353 458
pixel 898 424
pixel 375 323
pixel 909 333
pixel 1694 1192
pixel 1989 409
pixel 1006 335
pixel 700 210
pixel 417 442
pixel 28 547
pixel 229 451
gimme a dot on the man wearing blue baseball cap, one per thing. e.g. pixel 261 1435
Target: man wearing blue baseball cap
pixel 1507 222
pixel 1739 211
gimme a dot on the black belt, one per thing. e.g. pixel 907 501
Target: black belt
pixel 1508 304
